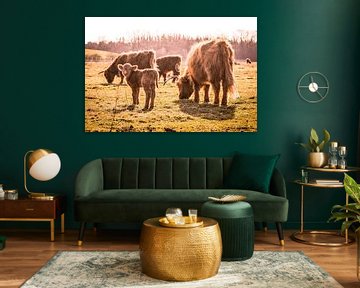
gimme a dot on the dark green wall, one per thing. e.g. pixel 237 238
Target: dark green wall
pixel 42 100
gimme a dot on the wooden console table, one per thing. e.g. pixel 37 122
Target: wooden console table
pixel 27 209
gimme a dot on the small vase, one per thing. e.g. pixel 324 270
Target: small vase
pixel 317 159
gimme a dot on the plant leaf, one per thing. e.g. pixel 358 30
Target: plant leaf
pixel 306 146
pixel 352 188
pixel 346 225
pixel 326 136
pixel 321 146
pixel 314 136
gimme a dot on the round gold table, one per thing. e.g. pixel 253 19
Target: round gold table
pixel 180 254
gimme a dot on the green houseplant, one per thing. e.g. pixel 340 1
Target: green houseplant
pixel 317 157
pixel 350 214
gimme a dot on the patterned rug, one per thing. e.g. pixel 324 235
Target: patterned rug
pixel 80 269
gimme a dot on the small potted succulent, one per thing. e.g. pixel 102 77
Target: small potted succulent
pixel 317 157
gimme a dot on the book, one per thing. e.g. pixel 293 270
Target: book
pixel 327 181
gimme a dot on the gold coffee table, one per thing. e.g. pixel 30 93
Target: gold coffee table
pixel 180 254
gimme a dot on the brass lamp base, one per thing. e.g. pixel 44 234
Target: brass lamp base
pixel 41 196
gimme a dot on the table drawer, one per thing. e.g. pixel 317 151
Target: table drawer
pixel 28 209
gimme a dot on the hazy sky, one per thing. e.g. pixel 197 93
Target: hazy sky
pixel 112 28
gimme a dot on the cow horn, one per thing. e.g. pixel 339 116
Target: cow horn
pixel 101 71
pixel 172 77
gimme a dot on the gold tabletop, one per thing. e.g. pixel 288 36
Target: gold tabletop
pixel 184 254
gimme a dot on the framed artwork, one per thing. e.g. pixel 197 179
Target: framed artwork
pixel 170 74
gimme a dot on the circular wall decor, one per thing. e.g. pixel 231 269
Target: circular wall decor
pixel 313 87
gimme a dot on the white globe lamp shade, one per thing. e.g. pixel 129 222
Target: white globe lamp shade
pixel 44 164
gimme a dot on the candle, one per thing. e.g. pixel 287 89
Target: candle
pixel 342 149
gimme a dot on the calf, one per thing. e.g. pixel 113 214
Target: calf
pixel 167 64
pixel 144 59
pixel 136 78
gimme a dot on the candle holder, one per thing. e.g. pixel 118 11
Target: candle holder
pixel 333 149
pixel 342 153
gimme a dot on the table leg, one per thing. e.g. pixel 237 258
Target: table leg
pixel 346 230
pixel 52 230
pixel 63 223
pixel 302 210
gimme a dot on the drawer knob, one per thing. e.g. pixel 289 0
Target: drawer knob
pixel 29 209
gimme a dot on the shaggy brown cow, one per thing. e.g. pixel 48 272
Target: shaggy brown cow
pixel 209 62
pixel 248 61
pixel 136 78
pixel 143 59
pixel 167 64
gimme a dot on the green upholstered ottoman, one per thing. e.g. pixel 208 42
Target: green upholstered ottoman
pixel 236 221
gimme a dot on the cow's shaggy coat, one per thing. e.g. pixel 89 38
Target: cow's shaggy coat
pixel 209 62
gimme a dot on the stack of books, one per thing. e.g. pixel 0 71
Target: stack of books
pixel 327 181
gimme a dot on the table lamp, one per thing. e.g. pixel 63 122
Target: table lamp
pixel 43 165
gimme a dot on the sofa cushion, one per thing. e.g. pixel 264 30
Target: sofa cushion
pixel 251 172
pixel 266 207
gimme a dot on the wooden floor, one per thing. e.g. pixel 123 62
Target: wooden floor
pixel 28 250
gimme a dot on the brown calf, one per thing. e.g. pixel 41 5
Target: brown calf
pixel 143 59
pixel 136 78
pixel 167 64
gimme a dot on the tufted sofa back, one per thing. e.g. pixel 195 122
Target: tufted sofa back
pixel 164 173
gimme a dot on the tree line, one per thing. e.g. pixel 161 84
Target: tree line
pixel 173 44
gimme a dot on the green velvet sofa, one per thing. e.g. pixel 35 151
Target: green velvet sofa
pixel 131 190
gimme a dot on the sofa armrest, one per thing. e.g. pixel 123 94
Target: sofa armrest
pixel 89 179
pixel 277 184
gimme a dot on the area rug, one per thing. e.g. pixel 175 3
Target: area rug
pixel 80 269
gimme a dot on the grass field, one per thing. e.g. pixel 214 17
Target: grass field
pixel 108 107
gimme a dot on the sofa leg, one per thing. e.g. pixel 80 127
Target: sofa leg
pixel 280 233
pixel 81 233
pixel 265 227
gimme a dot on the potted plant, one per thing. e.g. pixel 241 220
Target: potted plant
pixel 350 213
pixel 317 157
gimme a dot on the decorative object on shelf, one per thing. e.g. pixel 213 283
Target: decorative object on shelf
pixel 11 194
pixel 350 213
pixel 327 181
pixel 2 192
pixel 228 198
pixel 304 176
pixel 342 154
pixel 43 165
pixel 313 87
pixel 332 163
pixel 317 157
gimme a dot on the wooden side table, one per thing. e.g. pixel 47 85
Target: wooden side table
pixel 27 209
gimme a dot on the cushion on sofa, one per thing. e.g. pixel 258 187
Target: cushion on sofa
pixel 132 204
pixel 251 172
